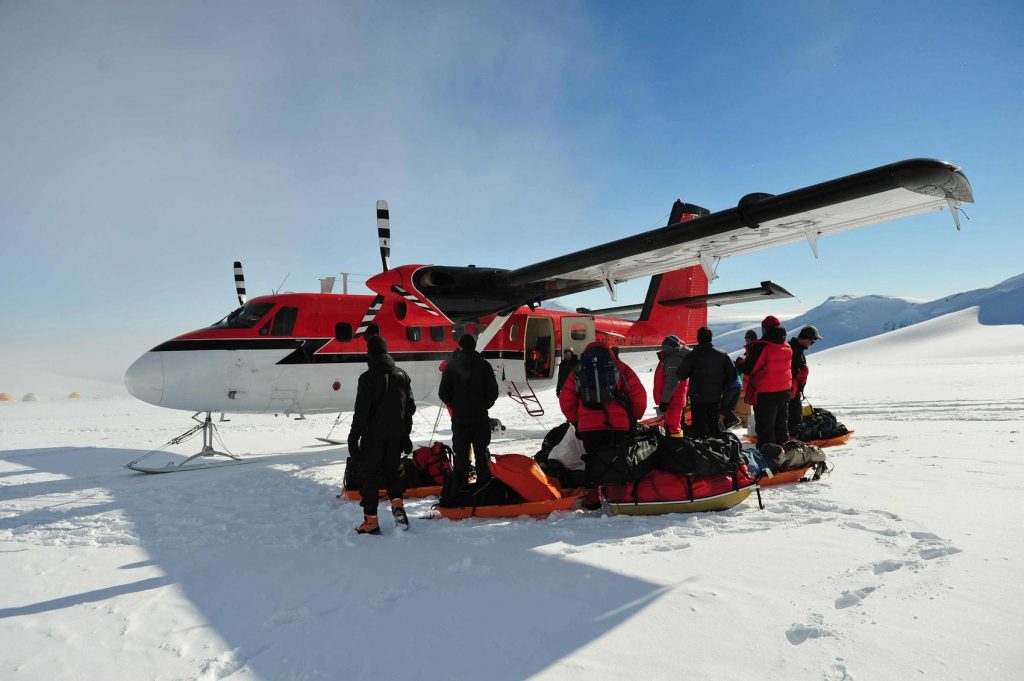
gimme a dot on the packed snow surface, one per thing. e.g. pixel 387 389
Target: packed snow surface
pixel 904 563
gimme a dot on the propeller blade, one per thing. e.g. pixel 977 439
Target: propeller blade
pixel 384 233
pixel 240 283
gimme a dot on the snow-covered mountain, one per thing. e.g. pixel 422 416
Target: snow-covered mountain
pixel 845 319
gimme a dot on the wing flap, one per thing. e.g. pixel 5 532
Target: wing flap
pixel 758 222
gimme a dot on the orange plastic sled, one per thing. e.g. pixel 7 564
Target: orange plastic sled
pixel 532 508
pixel 410 493
pixel 782 478
pixel 831 442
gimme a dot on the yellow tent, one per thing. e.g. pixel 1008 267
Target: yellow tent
pixel 30 397
pixel 6 397
pixel 75 396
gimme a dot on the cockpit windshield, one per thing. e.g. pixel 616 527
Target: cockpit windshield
pixel 245 317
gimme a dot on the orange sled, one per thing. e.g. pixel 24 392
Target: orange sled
pixel 795 475
pixel 410 493
pixel 534 508
pixel 831 442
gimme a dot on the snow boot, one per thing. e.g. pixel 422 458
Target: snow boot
pixel 398 510
pixel 370 525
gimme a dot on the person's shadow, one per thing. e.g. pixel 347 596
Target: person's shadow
pixel 270 560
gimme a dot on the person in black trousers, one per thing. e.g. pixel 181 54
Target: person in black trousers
pixel 468 386
pixel 710 372
pixel 380 432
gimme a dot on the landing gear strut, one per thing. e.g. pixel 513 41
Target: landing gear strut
pixel 209 431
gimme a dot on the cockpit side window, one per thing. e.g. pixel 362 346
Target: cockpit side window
pixel 245 317
pixel 284 321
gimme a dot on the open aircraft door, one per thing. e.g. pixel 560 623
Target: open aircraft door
pixel 577 333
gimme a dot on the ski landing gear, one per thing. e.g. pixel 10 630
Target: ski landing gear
pixel 209 431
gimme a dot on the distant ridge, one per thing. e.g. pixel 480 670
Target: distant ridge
pixel 844 318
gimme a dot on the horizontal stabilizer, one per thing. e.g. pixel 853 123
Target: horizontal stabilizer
pixel 767 289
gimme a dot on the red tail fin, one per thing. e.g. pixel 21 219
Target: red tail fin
pixel 681 320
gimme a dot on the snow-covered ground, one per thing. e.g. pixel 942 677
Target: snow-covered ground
pixel 903 564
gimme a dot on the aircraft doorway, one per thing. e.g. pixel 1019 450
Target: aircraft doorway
pixel 539 347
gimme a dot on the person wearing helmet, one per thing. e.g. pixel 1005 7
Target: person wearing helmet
pixel 807 337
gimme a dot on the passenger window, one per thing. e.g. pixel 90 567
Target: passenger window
pixel 284 321
pixel 578 332
pixel 457 331
pixel 413 333
pixel 343 332
pixel 437 333
pixel 400 309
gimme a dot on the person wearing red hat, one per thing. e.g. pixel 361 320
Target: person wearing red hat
pixel 770 380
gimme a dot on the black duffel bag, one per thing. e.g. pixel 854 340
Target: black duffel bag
pixel 622 463
pixel 698 456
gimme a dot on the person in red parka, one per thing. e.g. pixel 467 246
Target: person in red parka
pixel 768 365
pixel 612 422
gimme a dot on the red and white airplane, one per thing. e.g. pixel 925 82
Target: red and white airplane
pixel 303 352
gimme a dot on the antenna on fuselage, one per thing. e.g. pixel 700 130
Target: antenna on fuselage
pixel 240 283
pixel 384 233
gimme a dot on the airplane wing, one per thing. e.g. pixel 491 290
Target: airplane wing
pixel 758 221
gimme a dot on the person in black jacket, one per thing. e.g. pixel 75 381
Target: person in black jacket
pixel 468 386
pixel 565 367
pixel 710 372
pixel 380 433
pixel 807 337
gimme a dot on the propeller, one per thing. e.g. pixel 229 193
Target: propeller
pixel 240 283
pixel 384 232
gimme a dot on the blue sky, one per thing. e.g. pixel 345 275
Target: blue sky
pixel 147 146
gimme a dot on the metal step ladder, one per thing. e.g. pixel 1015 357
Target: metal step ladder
pixel 526 397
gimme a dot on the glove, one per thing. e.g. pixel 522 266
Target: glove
pixel 353 446
pixel 663 407
pixel 407 446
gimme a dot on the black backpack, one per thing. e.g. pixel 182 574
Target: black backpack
pixel 492 492
pixel 820 424
pixel 597 377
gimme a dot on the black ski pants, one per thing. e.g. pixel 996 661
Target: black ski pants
pixel 704 417
pixel 728 403
pixel 477 435
pixel 796 415
pixel 379 464
pixel 594 442
pixel 771 416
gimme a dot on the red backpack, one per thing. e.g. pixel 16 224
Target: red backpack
pixel 435 461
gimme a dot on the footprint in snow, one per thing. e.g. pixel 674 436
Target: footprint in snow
pixel 887 566
pixel 801 631
pixel 851 598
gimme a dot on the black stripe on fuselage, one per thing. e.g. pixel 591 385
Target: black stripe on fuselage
pixel 304 350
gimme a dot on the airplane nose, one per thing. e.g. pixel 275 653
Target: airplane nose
pixel 145 378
